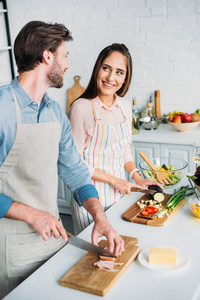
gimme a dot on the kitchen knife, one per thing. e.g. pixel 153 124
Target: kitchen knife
pixel 134 189
pixel 82 244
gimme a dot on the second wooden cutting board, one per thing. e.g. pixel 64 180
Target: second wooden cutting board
pixel 87 278
pixel 133 214
pixel 74 92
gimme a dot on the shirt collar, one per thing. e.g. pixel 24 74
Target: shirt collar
pixel 100 104
pixel 23 98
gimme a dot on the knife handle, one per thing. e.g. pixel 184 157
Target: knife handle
pixel 68 233
pixel 134 189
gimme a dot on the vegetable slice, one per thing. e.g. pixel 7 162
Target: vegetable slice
pixel 159 197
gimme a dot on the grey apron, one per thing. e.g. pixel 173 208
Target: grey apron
pixel 28 175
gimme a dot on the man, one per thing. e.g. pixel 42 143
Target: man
pixel 36 145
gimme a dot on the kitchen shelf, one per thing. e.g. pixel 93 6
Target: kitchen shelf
pixel 8 48
pixel 5 48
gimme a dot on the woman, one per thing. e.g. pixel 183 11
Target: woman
pixel 101 128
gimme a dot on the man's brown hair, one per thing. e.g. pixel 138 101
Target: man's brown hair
pixel 33 39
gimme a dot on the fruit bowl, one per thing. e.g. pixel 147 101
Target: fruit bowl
pixel 177 169
pixel 184 126
pixel 193 204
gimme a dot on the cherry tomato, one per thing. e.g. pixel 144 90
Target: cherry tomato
pixel 144 212
pixel 152 209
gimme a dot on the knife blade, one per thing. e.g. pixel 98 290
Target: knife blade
pixel 82 244
pixel 134 189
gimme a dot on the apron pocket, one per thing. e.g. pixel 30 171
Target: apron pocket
pixel 26 252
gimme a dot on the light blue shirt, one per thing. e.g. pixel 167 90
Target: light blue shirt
pixel 70 167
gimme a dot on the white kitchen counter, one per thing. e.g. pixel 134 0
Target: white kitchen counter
pixel 137 282
pixel 168 135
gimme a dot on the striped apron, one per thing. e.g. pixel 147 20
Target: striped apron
pixel 104 153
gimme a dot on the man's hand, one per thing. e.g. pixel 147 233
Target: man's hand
pixel 42 222
pixel 47 225
pixel 102 227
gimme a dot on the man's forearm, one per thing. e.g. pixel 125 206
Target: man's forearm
pixel 93 206
pixel 19 211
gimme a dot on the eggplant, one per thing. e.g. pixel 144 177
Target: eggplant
pixel 158 195
pixel 155 188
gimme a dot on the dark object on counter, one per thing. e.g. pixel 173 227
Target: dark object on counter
pixel 195 178
pixel 158 195
pixel 197 170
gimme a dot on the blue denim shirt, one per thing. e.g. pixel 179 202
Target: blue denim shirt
pixel 70 167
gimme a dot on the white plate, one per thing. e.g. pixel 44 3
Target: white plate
pixel 182 260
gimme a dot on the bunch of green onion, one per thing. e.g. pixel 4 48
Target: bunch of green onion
pixel 178 196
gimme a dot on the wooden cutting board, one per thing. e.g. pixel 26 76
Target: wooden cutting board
pixel 74 92
pixel 87 278
pixel 133 214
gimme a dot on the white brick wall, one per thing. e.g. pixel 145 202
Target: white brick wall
pixel 163 37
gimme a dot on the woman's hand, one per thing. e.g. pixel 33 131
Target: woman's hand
pixel 123 186
pixel 145 183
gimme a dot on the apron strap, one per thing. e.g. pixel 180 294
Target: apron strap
pixel 123 109
pixel 52 113
pixel 18 110
pixel 96 113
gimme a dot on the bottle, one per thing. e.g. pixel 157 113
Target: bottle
pixel 150 108
pixel 135 118
pixel 144 112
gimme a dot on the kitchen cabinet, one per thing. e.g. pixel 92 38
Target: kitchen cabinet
pixel 167 142
pixel 63 198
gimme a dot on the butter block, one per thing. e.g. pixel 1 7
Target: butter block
pixel 163 256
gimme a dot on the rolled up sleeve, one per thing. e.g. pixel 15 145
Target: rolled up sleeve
pixel 5 203
pixel 71 169
pixel 85 192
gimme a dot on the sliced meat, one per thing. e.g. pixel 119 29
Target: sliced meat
pixel 107 265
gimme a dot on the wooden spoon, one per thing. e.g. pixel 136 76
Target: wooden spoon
pixel 161 176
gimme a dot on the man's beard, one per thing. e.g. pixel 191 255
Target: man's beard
pixel 55 77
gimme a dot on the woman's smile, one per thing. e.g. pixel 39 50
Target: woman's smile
pixel 108 84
